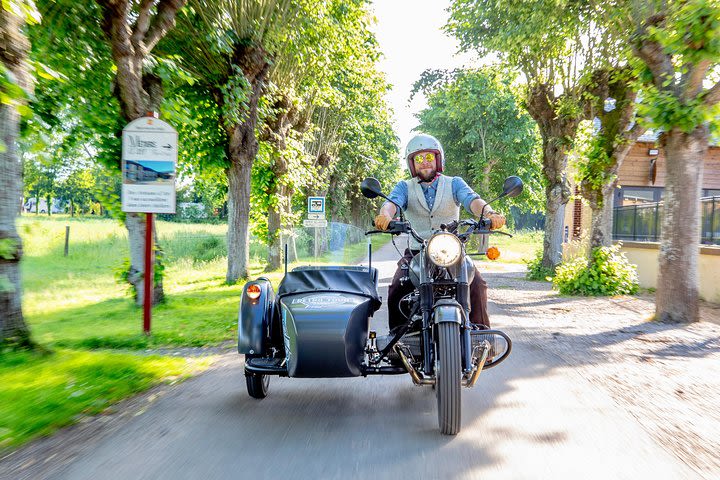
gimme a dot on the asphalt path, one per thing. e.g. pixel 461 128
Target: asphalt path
pixel 533 417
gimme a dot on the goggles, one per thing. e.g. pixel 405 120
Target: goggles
pixel 427 157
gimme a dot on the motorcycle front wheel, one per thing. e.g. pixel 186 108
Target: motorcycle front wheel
pixel 448 377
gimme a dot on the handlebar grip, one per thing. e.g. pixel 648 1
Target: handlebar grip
pixel 370 232
pixel 485 223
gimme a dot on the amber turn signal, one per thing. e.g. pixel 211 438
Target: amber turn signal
pixel 253 291
pixel 493 253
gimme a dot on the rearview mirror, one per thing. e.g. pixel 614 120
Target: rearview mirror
pixel 512 187
pixel 370 187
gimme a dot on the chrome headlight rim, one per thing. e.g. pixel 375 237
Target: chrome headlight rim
pixel 444 249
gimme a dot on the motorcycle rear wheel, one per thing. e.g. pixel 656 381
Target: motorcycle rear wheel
pixel 257 385
pixel 448 377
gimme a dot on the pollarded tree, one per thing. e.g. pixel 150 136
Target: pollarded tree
pixel 485 135
pixel 229 47
pixel 556 45
pixel 15 86
pixel 616 108
pixel 677 47
pixel 133 29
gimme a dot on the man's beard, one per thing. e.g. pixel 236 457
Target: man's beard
pixel 427 176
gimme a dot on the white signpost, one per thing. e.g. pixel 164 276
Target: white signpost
pixel 149 158
pixel 316 218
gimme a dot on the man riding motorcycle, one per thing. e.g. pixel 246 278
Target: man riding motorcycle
pixel 430 199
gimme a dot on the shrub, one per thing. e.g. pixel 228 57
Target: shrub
pixel 535 269
pixel 609 273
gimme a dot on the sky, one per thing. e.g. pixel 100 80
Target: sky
pixel 411 39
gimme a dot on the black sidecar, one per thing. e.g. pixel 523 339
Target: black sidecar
pixel 316 326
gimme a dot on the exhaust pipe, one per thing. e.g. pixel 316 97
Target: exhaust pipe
pixel 470 382
pixel 413 373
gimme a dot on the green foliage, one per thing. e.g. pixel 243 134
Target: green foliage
pixel 235 93
pixel 485 135
pixel 535 269
pixel 40 393
pixel 8 248
pixel 593 167
pixel 688 39
pixel 608 272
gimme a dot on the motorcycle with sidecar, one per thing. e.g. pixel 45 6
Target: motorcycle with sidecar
pixel 317 325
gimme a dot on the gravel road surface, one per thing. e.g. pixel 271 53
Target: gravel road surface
pixel 543 413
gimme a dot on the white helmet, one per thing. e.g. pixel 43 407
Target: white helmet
pixel 424 143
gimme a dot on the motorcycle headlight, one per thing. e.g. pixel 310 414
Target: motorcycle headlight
pixel 444 249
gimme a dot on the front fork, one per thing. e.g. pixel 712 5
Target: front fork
pixel 426 307
pixel 463 298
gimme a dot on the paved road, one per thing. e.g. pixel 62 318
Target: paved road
pixel 531 418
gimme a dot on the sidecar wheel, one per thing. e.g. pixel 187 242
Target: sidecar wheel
pixel 257 385
pixel 448 377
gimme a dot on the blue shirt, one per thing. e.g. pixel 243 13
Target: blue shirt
pixel 462 193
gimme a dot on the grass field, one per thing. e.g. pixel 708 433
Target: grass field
pixel 40 393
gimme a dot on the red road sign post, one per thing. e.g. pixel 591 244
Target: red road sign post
pixel 149 280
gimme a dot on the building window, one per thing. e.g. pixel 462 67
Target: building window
pixel 638 195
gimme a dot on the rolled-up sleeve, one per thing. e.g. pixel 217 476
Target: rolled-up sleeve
pixel 463 194
pixel 399 195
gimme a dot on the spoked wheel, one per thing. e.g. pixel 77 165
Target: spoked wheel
pixel 257 385
pixel 448 377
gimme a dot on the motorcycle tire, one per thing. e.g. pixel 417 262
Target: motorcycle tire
pixel 257 385
pixel 448 377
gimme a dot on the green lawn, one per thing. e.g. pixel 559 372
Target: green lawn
pixel 40 393
pixel 76 301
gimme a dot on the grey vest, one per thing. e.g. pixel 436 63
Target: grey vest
pixel 424 220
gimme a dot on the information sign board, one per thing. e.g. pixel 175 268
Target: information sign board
pixel 315 223
pixel 149 159
pixel 316 205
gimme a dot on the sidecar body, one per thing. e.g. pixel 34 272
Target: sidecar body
pixel 316 325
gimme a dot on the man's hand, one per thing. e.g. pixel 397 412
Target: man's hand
pixel 382 221
pixel 497 220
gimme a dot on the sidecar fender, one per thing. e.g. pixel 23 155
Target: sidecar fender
pixel 255 318
pixel 447 311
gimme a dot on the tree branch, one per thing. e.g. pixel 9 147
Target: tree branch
pixel 163 21
pixel 651 52
pixel 712 96
pixel 694 83
pixel 142 24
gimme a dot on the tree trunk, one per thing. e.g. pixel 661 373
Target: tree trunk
pixel 554 218
pixel 557 194
pixel 677 297
pixel 558 132
pixel 238 240
pixel 13 55
pixel 601 216
pixel 242 149
pixel 275 247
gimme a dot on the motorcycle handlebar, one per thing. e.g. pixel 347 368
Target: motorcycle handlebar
pixel 396 227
